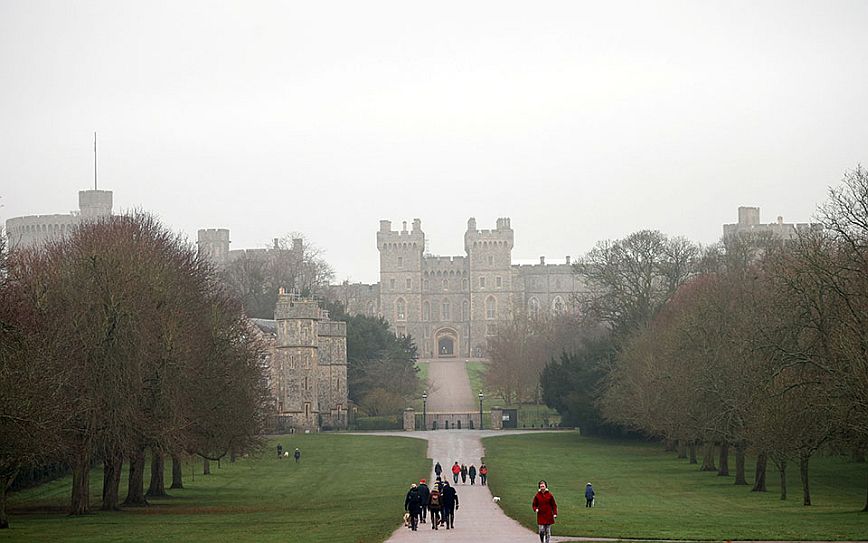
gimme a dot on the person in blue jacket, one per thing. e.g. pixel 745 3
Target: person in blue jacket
pixel 589 495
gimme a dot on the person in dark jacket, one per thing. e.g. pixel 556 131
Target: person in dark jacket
pixel 463 474
pixel 449 499
pixel 438 469
pixel 472 473
pixel 435 505
pixel 279 450
pixel 413 505
pixel 546 512
pixel 589 495
pixel 424 492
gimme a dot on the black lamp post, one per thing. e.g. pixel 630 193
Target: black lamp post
pixel 480 409
pixel 425 410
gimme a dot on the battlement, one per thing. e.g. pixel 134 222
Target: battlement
pixel 290 306
pixel 329 328
pixel 401 239
pixel 213 234
pixel 501 237
pixel 441 262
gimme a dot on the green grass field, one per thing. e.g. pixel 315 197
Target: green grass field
pixel 346 489
pixel 643 492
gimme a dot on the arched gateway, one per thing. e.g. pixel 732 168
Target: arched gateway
pixel 447 343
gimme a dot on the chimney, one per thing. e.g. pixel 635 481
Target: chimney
pixel 276 243
pixel 542 260
pixel 568 260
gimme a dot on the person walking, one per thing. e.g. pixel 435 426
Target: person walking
pixel 483 473
pixel 434 506
pixel 472 474
pixel 546 510
pixel 438 469
pixel 589 495
pixel 413 505
pixel 297 455
pixel 463 474
pixel 424 493
pixel 449 500
pixel 456 470
pixel 279 450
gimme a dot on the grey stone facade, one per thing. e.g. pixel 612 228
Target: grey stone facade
pixel 307 361
pixel 749 222
pixel 452 305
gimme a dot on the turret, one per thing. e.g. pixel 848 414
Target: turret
pixel 94 203
pixel 213 244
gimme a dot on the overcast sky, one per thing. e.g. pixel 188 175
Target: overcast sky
pixel 581 121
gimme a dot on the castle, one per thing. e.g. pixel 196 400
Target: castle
pixel 34 230
pixel 307 360
pixel 452 305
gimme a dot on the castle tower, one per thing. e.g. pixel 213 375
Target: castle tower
pixel 213 244
pixel 489 257
pixel 332 386
pixel 296 350
pixel 94 203
pixel 401 275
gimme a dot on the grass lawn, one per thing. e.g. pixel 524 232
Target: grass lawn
pixel 643 492
pixel 255 499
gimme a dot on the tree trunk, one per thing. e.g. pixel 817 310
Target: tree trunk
pixel 782 470
pixel 692 450
pixel 724 459
pixel 803 472
pixel 206 467
pixel 682 450
pixel 158 482
pixel 177 474
pixel 136 491
pixel 5 482
pixel 111 482
pixel 669 445
pixel 232 456
pixel 80 499
pixel 759 479
pixel 865 509
pixel 739 464
pixel 708 458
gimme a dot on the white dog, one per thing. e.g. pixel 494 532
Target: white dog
pixel 495 499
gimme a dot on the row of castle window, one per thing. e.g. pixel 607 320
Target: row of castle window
pixel 45 228
pixel 426 285
pixel 445 307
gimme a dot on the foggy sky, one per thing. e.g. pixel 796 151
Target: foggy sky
pixel 581 121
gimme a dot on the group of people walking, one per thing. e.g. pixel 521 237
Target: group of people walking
pixel 461 470
pixel 438 502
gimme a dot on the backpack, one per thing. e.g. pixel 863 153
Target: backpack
pixel 435 498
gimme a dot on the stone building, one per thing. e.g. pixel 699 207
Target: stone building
pixel 214 244
pixel 307 361
pixel 749 222
pixel 452 305
pixel 34 230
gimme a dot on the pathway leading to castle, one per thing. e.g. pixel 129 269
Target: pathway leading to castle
pixel 478 519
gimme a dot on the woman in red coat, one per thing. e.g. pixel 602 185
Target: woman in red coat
pixel 546 512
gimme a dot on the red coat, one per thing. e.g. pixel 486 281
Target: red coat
pixel 545 507
pixel 456 469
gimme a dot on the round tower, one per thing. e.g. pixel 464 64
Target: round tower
pixel 94 203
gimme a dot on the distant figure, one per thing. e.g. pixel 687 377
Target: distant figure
pixel 449 501
pixel 463 474
pixel 424 494
pixel 546 512
pixel 279 450
pixel 472 473
pixel 434 506
pixel 589 495
pixel 413 505
pixel 297 455
pixel 456 470
pixel 438 469
pixel 483 474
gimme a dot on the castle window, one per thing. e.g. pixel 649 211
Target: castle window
pixel 533 307
pixel 306 383
pixel 490 308
pixel 409 283
pixel 490 329
pixel 306 409
pixel 482 282
pixel 445 310
pixel 426 311
pixel 498 282
pixel 464 284
pixel 558 283
pixel 490 260
pixel 445 284
pixel 465 311
pixel 392 284
pixel 558 304
pixel 400 261
pixel 425 284
pixel 401 309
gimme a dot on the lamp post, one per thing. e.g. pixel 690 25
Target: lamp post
pixel 481 396
pixel 425 410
